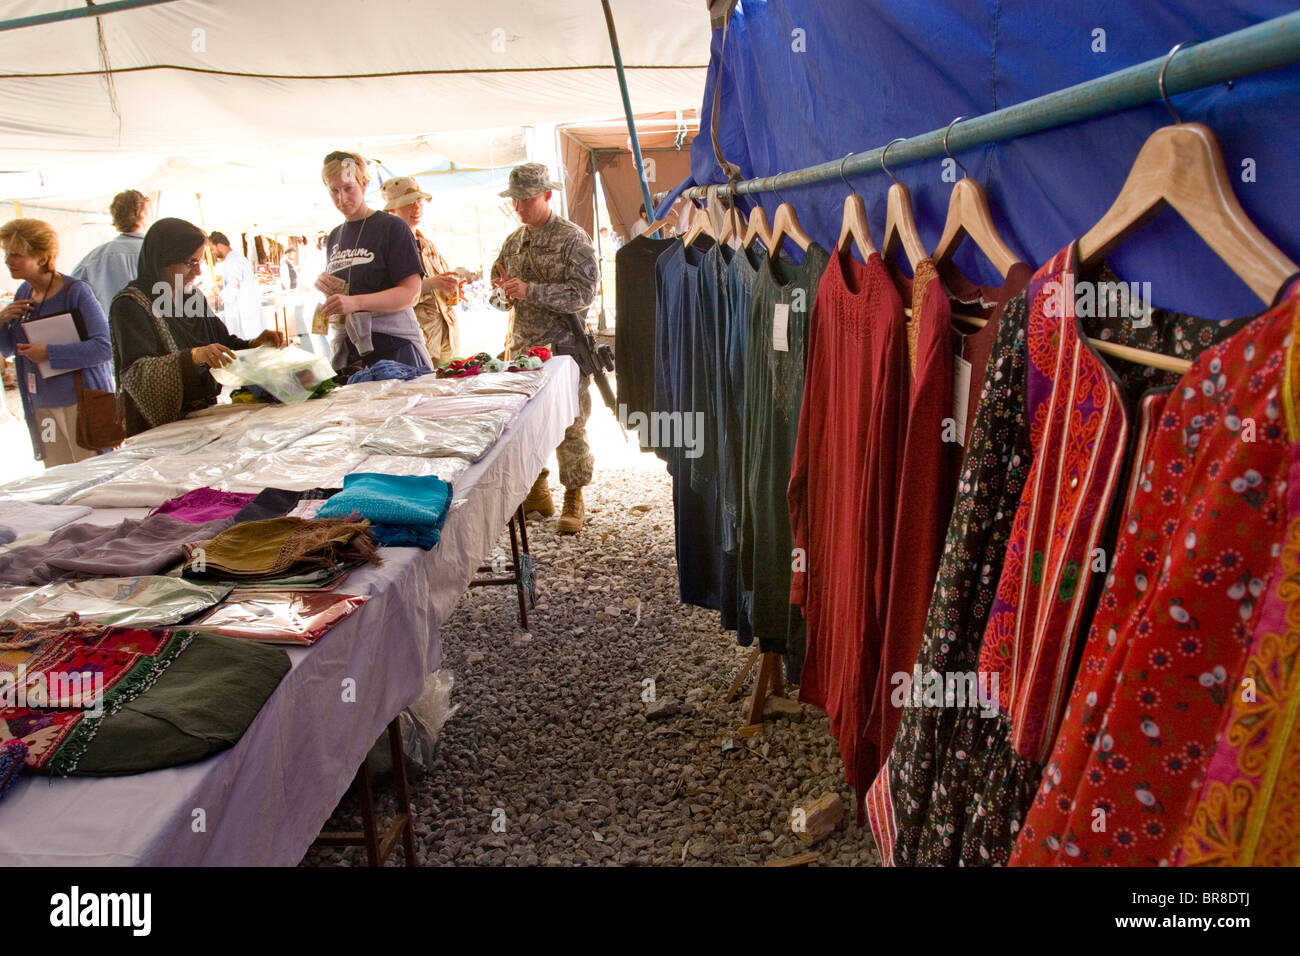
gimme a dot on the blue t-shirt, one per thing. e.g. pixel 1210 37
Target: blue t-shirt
pixel 373 254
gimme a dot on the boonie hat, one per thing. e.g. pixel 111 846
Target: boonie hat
pixel 528 180
pixel 401 191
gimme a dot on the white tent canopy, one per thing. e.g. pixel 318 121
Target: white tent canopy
pixel 204 79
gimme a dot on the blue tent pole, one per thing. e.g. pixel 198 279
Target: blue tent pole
pixel 627 109
pixel 77 13
pixel 1264 46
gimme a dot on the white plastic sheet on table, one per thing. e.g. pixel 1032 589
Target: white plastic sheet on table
pixel 457 406
pixel 448 469
pixel 143 601
pixel 466 438
pixel 56 485
pixel 263 436
pixel 184 436
pixel 149 483
pixel 295 470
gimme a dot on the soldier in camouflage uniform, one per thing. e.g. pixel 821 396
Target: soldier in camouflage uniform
pixel 548 268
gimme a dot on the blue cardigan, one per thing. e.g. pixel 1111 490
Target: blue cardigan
pixel 94 356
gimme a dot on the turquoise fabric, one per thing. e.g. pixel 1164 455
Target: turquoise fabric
pixel 403 510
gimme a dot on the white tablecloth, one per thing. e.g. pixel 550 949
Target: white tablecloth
pixel 265 800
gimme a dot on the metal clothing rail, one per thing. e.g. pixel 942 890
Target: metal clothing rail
pixel 1255 49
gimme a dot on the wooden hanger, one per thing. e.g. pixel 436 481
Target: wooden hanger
pixel 759 228
pixel 853 224
pixel 700 225
pixel 785 225
pixel 1181 167
pixel 969 215
pixel 733 226
pixel 656 226
pixel 900 223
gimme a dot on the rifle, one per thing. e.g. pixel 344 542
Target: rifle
pixel 594 360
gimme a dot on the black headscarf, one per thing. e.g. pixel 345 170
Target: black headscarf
pixel 167 242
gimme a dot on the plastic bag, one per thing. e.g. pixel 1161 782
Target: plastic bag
pixel 421 724
pixel 291 374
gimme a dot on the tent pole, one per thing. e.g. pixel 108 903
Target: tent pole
pixel 627 108
pixel 1264 46
pixel 600 253
pixel 77 13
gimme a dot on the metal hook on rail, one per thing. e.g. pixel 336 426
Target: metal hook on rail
pixel 885 152
pixel 964 170
pixel 852 191
pixel 1169 58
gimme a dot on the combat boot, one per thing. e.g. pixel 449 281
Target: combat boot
pixel 539 497
pixel 571 519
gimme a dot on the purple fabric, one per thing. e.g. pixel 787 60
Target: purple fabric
pixel 149 545
pixel 204 504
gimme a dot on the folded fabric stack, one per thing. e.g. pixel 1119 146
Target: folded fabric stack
pixel 411 436
pixel 203 504
pixel 269 552
pixel 403 510
pixel 55 717
pixel 133 547
pixel 388 369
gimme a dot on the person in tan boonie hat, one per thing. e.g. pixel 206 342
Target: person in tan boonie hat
pixel 440 287
pixel 401 191
pixel 529 180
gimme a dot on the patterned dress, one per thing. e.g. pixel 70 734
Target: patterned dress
pixel 1163 663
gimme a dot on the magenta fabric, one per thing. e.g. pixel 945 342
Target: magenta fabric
pixel 203 504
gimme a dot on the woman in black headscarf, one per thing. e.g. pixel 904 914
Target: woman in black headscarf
pixel 165 336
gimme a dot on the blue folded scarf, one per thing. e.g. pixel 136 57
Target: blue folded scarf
pixel 403 510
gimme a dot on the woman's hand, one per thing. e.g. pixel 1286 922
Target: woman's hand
pixel 33 351
pixel 340 305
pixel 215 355
pixel 17 309
pixel 446 283
pixel 329 284
pixel 269 337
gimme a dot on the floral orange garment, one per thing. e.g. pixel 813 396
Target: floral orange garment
pixel 1249 808
pixel 1169 641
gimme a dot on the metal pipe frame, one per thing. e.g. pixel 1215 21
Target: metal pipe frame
pixel 1255 49
pixel 78 13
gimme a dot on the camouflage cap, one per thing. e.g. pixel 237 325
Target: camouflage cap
pixel 528 180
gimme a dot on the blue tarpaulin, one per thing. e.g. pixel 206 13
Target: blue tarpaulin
pixel 805 82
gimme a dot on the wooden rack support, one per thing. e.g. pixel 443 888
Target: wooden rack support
pixel 380 845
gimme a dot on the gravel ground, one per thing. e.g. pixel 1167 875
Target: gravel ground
pixel 552 740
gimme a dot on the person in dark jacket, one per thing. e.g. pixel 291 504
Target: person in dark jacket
pixel 166 338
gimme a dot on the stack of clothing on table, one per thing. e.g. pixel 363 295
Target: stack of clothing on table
pixel 403 510
pixel 483 362
pixel 275 552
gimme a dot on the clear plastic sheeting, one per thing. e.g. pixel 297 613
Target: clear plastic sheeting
pixel 149 483
pixel 333 437
pixel 148 601
pixel 368 411
pixel 456 406
pixel 521 383
pixel 180 438
pixel 291 374
pixel 55 486
pixel 448 469
pixel 263 437
pixel 296 470
pixel 466 438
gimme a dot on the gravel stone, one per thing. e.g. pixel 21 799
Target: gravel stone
pixel 553 730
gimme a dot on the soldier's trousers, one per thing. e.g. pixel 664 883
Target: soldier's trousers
pixel 574 454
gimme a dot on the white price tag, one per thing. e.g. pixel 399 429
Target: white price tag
pixel 31 384
pixel 780 327
pixel 960 393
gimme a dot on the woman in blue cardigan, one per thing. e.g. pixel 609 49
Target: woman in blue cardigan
pixel 50 404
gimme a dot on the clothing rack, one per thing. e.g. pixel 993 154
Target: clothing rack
pixel 1255 49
